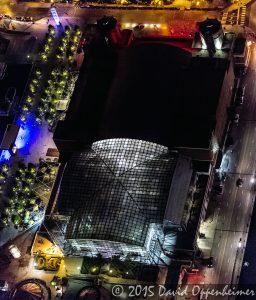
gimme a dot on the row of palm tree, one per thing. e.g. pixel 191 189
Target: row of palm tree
pixel 68 44
pixel 47 44
pixel 30 98
pixel 55 90
pixel 4 168
pixel 23 208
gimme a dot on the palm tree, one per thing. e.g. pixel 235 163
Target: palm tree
pixel 49 40
pixel 51 30
pixel 27 215
pixel 5 167
pixel 38 73
pixel 3 176
pixel 5 221
pixel 35 81
pixel 26 188
pixel 32 88
pixel 23 117
pixel 20 209
pixel 25 107
pixel 67 29
pixel 16 219
pixel 23 200
pixel 8 210
pixel 31 222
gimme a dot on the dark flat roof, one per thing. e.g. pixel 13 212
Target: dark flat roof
pixel 151 91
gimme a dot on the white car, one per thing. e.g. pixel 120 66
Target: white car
pixel 15 252
pixel 4 285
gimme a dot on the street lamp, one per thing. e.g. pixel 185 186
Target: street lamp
pixel 252 180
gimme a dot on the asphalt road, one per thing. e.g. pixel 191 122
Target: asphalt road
pixel 90 16
pixel 237 203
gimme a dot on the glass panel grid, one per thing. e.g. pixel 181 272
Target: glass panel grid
pixel 116 189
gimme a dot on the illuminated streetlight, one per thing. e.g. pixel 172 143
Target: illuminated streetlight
pixel 110 271
pixel 197 3
pixel 252 180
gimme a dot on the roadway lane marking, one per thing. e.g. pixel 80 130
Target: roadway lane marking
pixel 250 153
pixel 242 192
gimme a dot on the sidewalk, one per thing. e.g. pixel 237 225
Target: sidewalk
pixel 208 226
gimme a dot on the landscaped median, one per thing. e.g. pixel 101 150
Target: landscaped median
pixel 114 267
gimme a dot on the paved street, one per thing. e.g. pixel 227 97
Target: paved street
pixel 236 203
pixel 82 16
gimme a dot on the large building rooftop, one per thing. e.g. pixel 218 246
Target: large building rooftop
pixel 152 91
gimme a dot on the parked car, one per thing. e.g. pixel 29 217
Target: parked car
pixel 218 189
pixel 236 119
pixel 239 182
pixel 239 100
pixel 4 285
pixel 15 252
pixel 240 91
pixel 84 6
pixel 19 18
pixel 3 67
pixel 210 262
pixel 10 94
pixel 28 19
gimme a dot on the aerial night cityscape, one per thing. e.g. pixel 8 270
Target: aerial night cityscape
pixel 127 149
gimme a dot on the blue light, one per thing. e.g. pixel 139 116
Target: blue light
pixel 5 155
pixel 27 135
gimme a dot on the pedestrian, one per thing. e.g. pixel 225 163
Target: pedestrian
pixel 48 20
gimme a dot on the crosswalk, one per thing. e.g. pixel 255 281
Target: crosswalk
pixel 242 15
